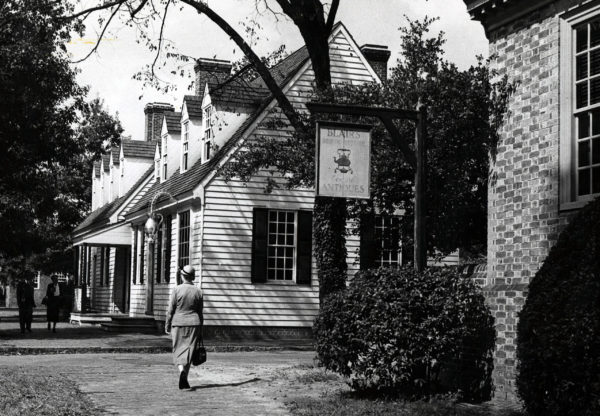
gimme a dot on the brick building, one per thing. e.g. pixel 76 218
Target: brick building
pixel 548 161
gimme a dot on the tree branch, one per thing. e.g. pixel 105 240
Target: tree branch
pixel 160 36
pixel 331 16
pixel 95 48
pixel 261 68
pixel 94 9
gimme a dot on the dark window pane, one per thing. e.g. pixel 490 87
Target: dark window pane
pixel 596 151
pixel 271 251
pixel 596 180
pixel 583 125
pixel 272 215
pixel 581 66
pixel 594 33
pixel 271 262
pixel 271 274
pixel 584 182
pixel 271 238
pixel 582 95
pixel 281 228
pixel 289 240
pixel 595 91
pixel 288 275
pixel 281 216
pixel 279 275
pixel 595 62
pixel 596 122
pixel 280 251
pixel 583 156
pixel 581 37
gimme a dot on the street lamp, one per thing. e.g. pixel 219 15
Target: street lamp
pixel 151 227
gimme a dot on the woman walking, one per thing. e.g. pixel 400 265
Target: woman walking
pixel 53 299
pixel 184 320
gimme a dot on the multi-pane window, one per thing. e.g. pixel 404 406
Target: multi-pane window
pixel 166 248
pixel 587 107
pixel 387 238
pixel 186 144
pixel 281 247
pixel 207 132
pixel 106 267
pixel 184 239
pixel 164 157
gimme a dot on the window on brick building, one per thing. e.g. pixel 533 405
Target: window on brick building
pixel 579 106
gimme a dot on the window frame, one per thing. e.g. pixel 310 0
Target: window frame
pixel 208 135
pixel 185 146
pixel 180 216
pixel 294 246
pixel 164 172
pixel 380 239
pixel 568 163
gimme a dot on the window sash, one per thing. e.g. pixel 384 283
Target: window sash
pixel 387 236
pixel 281 245
pixel 184 239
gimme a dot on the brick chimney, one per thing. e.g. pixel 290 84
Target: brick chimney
pixel 154 116
pixel 377 56
pixel 213 71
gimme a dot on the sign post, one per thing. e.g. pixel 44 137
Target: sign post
pixel 417 158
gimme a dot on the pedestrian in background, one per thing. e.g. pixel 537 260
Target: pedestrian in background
pixel 53 300
pixel 184 321
pixel 26 303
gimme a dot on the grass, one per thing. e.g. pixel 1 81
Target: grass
pixel 24 393
pixel 316 392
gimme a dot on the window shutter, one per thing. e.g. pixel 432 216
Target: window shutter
pixel 304 250
pixel 102 252
pixel 167 249
pixel 259 245
pixel 142 256
pixel 107 266
pixel 368 248
pixel 158 253
pixel 135 255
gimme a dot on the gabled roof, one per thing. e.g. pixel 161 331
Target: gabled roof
pixel 101 216
pixel 238 93
pixel 182 183
pixel 173 119
pixel 138 148
pixel 193 104
pixel 97 168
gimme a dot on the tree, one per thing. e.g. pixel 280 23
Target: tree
pixel 315 25
pixel 464 111
pixel 40 200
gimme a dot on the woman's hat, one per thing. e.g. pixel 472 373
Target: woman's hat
pixel 188 271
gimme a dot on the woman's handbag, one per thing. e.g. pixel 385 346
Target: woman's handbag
pixel 199 356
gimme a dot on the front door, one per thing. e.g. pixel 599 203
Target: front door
pixel 121 286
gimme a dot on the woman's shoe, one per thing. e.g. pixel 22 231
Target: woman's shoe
pixel 183 381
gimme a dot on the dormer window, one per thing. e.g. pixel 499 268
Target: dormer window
pixel 164 157
pixel 207 132
pixel 186 144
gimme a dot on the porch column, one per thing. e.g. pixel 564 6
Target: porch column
pixel 150 277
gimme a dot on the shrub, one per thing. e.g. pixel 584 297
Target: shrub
pixel 558 343
pixel 399 332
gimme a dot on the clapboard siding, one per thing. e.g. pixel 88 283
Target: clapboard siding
pixel 225 251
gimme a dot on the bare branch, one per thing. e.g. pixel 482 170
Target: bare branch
pixel 331 16
pixel 137 9
pixel 160 36
pixel 261 68
pixel 95 48
pixel 94 9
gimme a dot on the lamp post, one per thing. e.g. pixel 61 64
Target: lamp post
pixel 151 227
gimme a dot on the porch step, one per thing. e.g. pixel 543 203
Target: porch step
pixel 130 324
pixel 92 318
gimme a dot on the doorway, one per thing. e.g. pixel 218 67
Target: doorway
pixel 121 285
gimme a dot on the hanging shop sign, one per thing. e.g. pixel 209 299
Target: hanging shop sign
pixel 343 160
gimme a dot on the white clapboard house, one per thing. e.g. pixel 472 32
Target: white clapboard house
pixel 252 250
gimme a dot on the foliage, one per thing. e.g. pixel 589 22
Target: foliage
pixel 400 332
pixel 559 327
pixel 41 197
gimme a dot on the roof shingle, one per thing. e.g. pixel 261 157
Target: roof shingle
pixel 138 148
pixel 173 119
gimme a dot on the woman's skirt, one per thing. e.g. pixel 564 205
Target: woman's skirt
pixel 185 340
pixel 53 309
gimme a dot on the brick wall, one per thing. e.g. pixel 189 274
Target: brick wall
pixel 523 197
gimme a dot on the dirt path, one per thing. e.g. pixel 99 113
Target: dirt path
pixel 228 384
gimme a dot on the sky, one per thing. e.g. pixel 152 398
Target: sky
pixel 121 54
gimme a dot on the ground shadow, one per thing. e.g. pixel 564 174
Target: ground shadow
pixel 210 386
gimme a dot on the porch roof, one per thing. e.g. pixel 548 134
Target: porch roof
pixel 119 235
